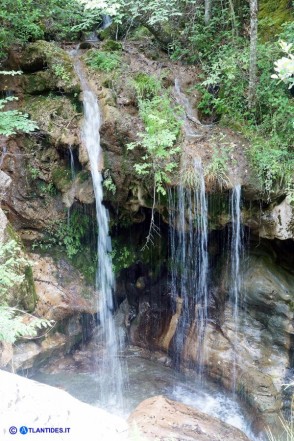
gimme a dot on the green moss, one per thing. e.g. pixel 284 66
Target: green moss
pixel 12 235
pixel 61 177
pixel 112 46
pixel 86 263
pixel 44 55
pixel 272 14
pixel 51 112
pixel 30 297
pixel 39 82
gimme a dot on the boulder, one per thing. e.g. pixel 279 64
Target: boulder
pixel 60 289
pixel 159 418
pixel 37 406
pixel 42 56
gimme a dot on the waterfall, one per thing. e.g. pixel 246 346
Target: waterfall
pixel 73 175
pixel 235 255
pixel 189 257
pixel 110 366
pixel 106 21
pixel 72 163
pixel 190 118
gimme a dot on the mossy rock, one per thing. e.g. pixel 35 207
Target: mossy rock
pixel 22 295
pixel 52 114
pixel 39 82
pixel 272 14
pixel 61 177
pixel 42 56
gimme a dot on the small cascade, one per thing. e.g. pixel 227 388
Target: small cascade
pixel 190 118
pixel 235 255
pixel 73 176
pixel 106 21
pixel 110 368
pixel 189 257
pixel 72 163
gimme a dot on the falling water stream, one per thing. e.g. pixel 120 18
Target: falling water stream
pixel 73 175
pixel 235 255
pixel 189 257
pixel 110 367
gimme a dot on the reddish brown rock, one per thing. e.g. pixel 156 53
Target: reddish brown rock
pixel 159 418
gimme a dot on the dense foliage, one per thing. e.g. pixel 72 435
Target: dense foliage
pixel 162 127
pixel 22 21
pixel 15 323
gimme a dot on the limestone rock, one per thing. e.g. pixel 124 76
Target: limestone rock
pixel 5 181
pixel 35 405
pixel 60 290
pixel 278 221
pixel 159 418
pixel 6 353
pixel 268 292
pixel 3 225
pixel 42 55
pixel 34 354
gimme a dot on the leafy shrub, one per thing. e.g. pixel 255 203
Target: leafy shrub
pixel 100 60
pixel 11 263
pixel 162 127
pixel 269 126
pixel 69 235
pixel 146 86
pixel 12 324
pixel 13 121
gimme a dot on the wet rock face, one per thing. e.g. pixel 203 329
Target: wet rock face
pixel 253 354
pixel 62 296
pixel 159 418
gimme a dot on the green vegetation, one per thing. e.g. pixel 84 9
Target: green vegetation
pixel 67 235
pixel 102 60
pixel 109 184
pixel 217 170
pixel 162 128
pixel 13 326
pixel 22 21
pixel 12 275
pixel 122 256
pixel 11 264
pixel 13 121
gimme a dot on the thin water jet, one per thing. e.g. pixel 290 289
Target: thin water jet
pixel 189 257
pixel 235 276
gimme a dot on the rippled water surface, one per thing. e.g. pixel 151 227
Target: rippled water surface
pixel 149 378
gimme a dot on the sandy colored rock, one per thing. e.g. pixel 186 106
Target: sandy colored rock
pixel 278 222
pixel 159 418
pixel 35 405
pixel 60 290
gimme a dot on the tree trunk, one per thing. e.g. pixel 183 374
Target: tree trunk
pixel 207 13
pixel 253 49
